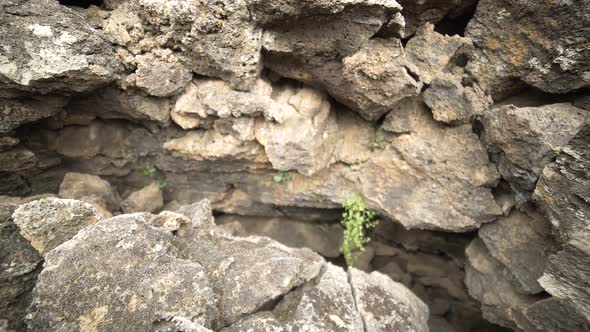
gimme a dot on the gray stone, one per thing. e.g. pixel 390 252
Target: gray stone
pixel 210 38
pixel 562 191
pixel 19 266
pixel 15 112
pixel 90 189
pixel 544 50
pixel 122 258
pixel 523 140
pixel 374 292
pixel 147 199
pixel 19 159
pixel 325 239
pixel 49 222
pixel 51 48
pixel 159 73
pixel 567 276
pixel 522 244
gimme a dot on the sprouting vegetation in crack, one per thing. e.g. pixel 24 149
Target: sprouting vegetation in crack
pixel 281 177
pixel 379 141
pixel 358 222
pixel 152 171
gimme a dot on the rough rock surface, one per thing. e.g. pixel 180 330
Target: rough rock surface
pixel 90 189
pixel 201 279
pixel 147 199
pixel 523 140
pixel 19 266
pixel 51 48
pixel 49 222
pixel 15 112
pixel 538 42
pixel 416 13
pixel 567 276
pixel 562 191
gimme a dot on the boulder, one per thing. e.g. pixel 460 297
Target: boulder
pixel 15 112
pixel 567 276
pixel 325 239
pixel 147 199
pixel 90 189
pixel 523 140
pixel 209 38
pixel 49 222
pixel 562 190
pixel 522 244
pixel 538 42
pixel 51 48
pixel 114 103
pixel 20 264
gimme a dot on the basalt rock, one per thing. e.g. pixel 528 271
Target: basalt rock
pixel 538 42
pixel 51 48
pixel 523 140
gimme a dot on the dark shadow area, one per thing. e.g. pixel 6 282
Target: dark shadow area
pixel 456 23
pixel 81 3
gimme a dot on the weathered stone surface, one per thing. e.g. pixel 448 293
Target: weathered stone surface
pixel 19 266
pixel 522 244
pixel 325 239
pixel 90 189
pixel 523 140
pixel 418 12
pixel 433 53
pixel 97 138
pixel 556 315
pixel 49 47
pixel 493 285
pixel 209 38
pixel 15 112
pixel 450 102
pixel 544 48
pixel 147 199
pixel 13 185
pixel 305 139
pixel 126 259
pixel 18 159
pixel 159 73
pixel 563 189
pixel 376 290
pixel 49 222
pixel 113 103
pixel 567 276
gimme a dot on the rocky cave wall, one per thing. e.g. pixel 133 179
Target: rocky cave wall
pixel 463 123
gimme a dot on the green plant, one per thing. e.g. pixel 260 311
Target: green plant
pixel 358 222
pixel 281 177
pixel 161 184
pixel 379 141
pixel 149 170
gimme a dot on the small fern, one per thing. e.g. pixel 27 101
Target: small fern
pixel 358 222
pixel 281 177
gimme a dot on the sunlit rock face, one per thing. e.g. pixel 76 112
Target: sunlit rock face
pixel 463 124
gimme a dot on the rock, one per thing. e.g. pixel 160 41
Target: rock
pixel 417 13
pixel 522 244
pixel 199 214
pixel 489 282
pixel 113 103
pixel 13 185
pixel 544 51
pixel 567 277
pixel 325 239
pixel 376 291
pixel 553 314
pixel 160 74
pixel 51 48
pixel 147 199
pixel 15 112
pixel 19 159
pixel 338 53
pixel 127 259
pixel 7 143
pixel 49 222
pixel 522 140
pixel 98 138
pixel 90 189
pixel 562 190
pixel 209 38
pixel 305 139
pixel 19 266
pixel 450 102
pixel 433 54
